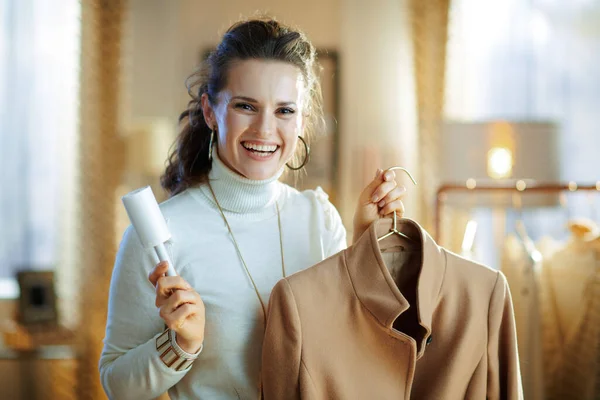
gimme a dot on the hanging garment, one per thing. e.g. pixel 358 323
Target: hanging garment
pixel 570 300
pixel 346 329
pixel 522 274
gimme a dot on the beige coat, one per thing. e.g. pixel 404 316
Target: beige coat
pixel 344 330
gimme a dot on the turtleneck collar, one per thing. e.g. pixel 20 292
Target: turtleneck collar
pixel 238 194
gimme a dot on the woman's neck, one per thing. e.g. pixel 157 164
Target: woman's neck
pixel 239 194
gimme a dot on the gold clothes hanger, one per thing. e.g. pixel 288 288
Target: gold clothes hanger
pixel 394 229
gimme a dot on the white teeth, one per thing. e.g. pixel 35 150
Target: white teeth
pixel 257 147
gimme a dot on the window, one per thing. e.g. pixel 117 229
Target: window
pixel 534 60
pixel 39 72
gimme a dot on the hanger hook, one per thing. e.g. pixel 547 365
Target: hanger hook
pixel 394 226
pixel 405 170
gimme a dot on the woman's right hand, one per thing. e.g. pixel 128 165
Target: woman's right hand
pixel 180 307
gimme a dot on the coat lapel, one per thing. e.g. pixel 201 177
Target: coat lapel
pixel 375 287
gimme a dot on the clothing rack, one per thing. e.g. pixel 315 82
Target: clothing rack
pixel 520 187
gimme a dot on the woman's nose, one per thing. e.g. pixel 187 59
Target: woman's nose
pixel 265 124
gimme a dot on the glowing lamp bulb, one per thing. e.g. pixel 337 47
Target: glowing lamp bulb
pixel 500 162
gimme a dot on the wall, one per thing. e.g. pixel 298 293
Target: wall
pixel 165 41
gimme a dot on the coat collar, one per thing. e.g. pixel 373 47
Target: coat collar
pixel 375 286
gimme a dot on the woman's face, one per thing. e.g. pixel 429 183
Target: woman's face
pixel 258 115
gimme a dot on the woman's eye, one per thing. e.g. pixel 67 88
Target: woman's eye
pixel 244 106
pixel 287 111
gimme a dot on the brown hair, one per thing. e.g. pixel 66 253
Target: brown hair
pixel 262 39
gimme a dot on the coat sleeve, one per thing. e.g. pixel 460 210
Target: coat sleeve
pixel 282 346
pixel 504 375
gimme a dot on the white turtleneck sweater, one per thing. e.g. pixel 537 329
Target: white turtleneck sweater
pixel 204 255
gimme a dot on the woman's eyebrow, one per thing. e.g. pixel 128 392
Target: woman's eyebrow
pixel 251 100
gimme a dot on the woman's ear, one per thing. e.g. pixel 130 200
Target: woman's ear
pixel 207 111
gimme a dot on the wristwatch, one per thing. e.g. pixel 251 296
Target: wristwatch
pixel 171 354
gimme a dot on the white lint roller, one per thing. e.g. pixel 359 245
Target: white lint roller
pixel 149 223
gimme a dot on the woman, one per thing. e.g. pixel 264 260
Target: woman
pixel 236 230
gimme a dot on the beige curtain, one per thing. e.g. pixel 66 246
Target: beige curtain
pixel 377 103
pixel 101 166
pixel 430 34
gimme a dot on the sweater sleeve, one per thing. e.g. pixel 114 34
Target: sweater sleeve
pixel 504 376
pixel 281 355
pixel 337 241
pixel 130 366
pixel 335 230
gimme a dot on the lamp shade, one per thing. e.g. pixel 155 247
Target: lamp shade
pixel 500 152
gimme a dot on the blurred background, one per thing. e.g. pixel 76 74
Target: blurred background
pixel 493 106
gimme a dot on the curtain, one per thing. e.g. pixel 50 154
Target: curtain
pixel 39 72
pixel 429 20
pixel 101 164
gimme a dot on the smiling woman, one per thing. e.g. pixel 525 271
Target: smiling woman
pixel 258 116
pixel 236 228
pixel 263 77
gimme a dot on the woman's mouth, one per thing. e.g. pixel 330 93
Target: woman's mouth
pixel 260 150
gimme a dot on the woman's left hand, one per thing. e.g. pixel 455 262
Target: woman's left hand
pixel 381 197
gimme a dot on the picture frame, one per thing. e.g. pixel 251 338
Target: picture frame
pixel 323 168
pixel 37 299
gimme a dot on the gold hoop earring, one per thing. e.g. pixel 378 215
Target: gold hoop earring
pixel 306 158
pixel 210 144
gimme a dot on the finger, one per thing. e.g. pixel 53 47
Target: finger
pixel 179 298
pixel 177 318
pixel 158 271
pixel 365 196
pixel 395 205
pixel 396 194
pixel 389 176
pixel 166 285
pixel 382 190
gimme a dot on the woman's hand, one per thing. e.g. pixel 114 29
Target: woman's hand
pixel 180 307
pixel 381 197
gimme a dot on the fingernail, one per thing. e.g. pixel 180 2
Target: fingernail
pixel 389 176
pixel 379 171
pixel 381 203
pixel 374 198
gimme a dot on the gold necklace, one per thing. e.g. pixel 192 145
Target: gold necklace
pixel 237 248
